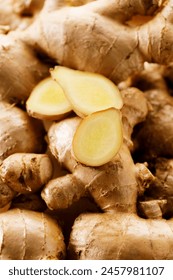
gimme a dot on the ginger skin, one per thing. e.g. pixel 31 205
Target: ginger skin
pixel 19 132
pixel 25 172
pixel 37 235
pixel 110 196
pixel 64 33
pixel 161 189
pixel 122 235
pixel 114 187
pixel 119 50
pixel 154 138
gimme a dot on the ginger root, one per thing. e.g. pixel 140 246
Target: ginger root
pixel 119 50
pixel 112 38
pixel 37 236
pixel 19 132
pixel 102 182
pixel 119 236
pixel 25 172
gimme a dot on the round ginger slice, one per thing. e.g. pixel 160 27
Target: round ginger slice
pixel 87 92
pixel 98 137
pixel 47 101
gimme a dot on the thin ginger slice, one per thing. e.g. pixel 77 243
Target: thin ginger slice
pixel 87 92
pixel 47 101
pixel 98 137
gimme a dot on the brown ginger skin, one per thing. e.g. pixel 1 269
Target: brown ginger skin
pixel 161 189
pixel 18 82
pixel 92 179
pixel 26 172
pixel 114 187
pixel 154 138
pixel 128 229
pixel 37 236
pixel 120 236
pixel 119 50
pixel 124 230
pixel 19 132
pixel 107 27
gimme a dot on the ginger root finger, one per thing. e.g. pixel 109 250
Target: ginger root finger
pixel 48 102
pixel 98 138
pixel 108 184
pixel 87 92
pixel 120 236
pixel 19 132
pixel 37 236
pixel 26 173
pixel 20 69
pixel 62 192
pixel 119 50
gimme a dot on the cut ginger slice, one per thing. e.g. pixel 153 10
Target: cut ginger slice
pixel 47 101
pixel 87 92
pixel 98 137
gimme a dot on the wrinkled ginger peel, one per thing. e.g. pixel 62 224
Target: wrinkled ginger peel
pixel 87 92
pixel 47 101
pixel 98 137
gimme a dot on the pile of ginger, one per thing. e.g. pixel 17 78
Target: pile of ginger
pixel 86 130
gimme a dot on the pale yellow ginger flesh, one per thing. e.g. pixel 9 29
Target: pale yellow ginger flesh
pixel 98 137
pixel 87 92
pixel 47 101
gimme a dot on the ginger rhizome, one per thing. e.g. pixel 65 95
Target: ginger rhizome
pixel 25 172
pixel 120 49
pixel 97 45
pixel 19 132
pixel 93 178
pixel 38 236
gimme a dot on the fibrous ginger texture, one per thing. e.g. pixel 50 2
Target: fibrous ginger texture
pixel 94 37
pixel 19 132
pixel 26 172
pixel 35 236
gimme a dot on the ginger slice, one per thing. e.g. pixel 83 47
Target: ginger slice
pixel 98 137
pixel 47 101
pixel 87 92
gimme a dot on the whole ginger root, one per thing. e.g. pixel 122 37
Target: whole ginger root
pixel 114 188
pixel 95 37
pixel 31 226
pixel 112 38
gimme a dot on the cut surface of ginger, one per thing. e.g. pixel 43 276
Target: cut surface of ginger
pixel 48 101
pixel 87 92
pixel 98 137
